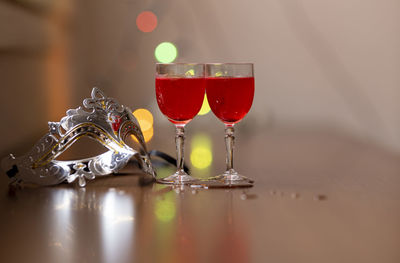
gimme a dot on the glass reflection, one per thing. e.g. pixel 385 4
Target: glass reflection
pixel 177 238
pixel 233 242
pixel 110 225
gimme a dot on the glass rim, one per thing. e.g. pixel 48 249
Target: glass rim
pixel 230 63
pixel 180 63
pixel 214 63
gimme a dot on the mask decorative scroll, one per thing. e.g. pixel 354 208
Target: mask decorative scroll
pixel 102 119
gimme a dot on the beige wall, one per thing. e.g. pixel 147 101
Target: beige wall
pixel 331 65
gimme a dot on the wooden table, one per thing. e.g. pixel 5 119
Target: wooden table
pixel 318 197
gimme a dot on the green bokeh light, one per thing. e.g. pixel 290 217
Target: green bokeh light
pixel 165 210
pixel 166 52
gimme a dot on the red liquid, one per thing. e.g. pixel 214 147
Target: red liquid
pixel 180 99
pixel 230 98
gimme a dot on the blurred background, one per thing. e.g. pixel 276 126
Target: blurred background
pixel 330 66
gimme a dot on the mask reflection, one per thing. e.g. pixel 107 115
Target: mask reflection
pixel 117 227
pixel 93 223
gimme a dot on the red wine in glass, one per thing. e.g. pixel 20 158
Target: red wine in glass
pixel 180 99
pixel 230 92
pixel 180 89
pixel 230 98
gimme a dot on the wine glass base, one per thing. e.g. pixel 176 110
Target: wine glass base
pixel 212 183
pixel 231 177
pixel 178 178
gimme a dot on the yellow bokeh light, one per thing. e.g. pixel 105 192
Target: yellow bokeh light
pixel 219 74
pixel 190 72
pixel 201 156
pixel 201 140
pixel 145 119
pixel 205 108
pixel 148 135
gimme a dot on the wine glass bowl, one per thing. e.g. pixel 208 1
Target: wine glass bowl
pixel 180 97
pixel 230 98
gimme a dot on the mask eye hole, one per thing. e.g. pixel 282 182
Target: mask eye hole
pixel 82 149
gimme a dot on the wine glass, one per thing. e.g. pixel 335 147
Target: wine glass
pixel 180 89
pixel 230 92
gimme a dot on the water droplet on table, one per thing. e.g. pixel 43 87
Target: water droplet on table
pixel 320 197
pixel 295 195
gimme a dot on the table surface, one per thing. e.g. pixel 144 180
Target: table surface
pixel 318 197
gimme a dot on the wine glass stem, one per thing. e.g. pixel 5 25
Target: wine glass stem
pixel 180 143
pixel 229 142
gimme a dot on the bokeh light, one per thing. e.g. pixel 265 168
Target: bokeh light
pixel 201 155
pixel 190 72
pixel 166 52
pixel 148 134
pixel 165 171
pixel 165 209
pixel 205 108
pixel 146 21
pixel 145 119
